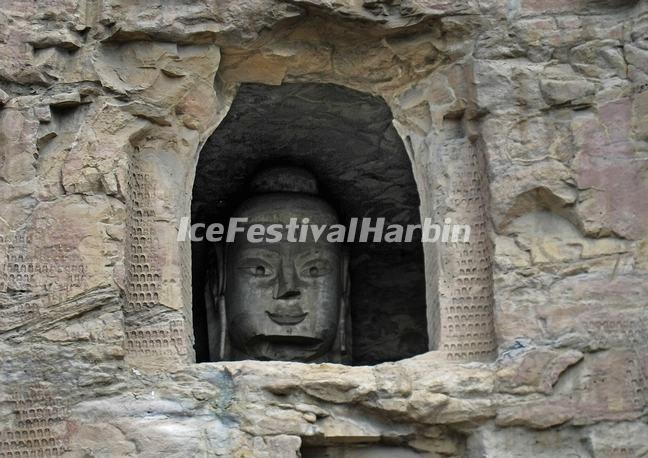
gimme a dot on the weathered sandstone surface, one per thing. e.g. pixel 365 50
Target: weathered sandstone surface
pixel 104 107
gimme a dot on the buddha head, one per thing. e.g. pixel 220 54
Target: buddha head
pixel 281 299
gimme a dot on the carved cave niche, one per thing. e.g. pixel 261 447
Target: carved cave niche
pixel 346 139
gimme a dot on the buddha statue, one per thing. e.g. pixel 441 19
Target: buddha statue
pixel 280 300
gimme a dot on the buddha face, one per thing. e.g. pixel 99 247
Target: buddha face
pixel 283 298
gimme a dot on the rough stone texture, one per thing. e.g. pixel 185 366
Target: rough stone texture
pixel 526 117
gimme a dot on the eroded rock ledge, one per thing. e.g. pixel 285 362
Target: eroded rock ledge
pixel 550 97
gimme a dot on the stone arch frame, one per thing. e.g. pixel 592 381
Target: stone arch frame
pixel 433 117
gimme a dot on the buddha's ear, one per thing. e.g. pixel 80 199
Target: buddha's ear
pixel 215 284
pixel 345 309
pixel 344 272
pixel 221 251
pixel 215 281
pixel 215 304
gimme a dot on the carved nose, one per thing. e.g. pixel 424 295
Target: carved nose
pixel 286 287
pixel 290 294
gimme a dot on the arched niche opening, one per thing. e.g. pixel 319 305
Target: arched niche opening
pixel 345 138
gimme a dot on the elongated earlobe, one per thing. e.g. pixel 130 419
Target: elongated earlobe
pixel 345 312
pixel 216 308
pixel 222 311
pixel 214 331
pixel 342 329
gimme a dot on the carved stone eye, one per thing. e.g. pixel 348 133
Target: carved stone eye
pixel 256 268
pixel 316 269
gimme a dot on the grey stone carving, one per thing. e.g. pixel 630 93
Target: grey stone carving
pixel 283 300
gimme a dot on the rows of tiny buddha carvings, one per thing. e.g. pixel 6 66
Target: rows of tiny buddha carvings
pixel 186 291
pixel 642 377
pixel 143 276
pixel 57 267
pixel 467 315
pixel 637 374
pixel 618 331
pixel 19 314
pixel 167 339
pixel 617 452
pixel 45 280
pixel 609 395
pixel 14 270
pixel 638 388
pixel 39 426
pixel 607 392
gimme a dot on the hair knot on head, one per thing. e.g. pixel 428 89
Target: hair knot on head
pixel 285 179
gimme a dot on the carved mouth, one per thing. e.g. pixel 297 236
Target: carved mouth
pixel 287 319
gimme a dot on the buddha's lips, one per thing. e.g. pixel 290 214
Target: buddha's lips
pixel 287 319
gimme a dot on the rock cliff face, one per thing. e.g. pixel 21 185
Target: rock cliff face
pixel 526 118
